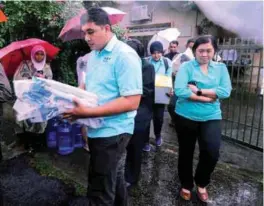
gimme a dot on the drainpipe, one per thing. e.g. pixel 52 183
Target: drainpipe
pixel 197 14
pixel 196 22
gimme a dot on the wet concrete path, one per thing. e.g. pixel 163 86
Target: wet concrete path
pixel 159 183
pixel 237 179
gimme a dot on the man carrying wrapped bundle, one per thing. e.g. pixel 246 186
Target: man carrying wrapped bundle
pixel 115 76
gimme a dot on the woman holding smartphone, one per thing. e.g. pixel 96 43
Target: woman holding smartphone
pixel 200 85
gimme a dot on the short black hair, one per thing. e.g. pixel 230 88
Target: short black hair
pixel 137 46
pixel 190 41
pixel 203 40
pixel 174 42
pixel 156 46
pixel 96 15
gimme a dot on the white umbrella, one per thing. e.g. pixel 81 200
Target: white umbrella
pixel 165 37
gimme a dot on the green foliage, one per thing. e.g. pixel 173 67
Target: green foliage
pixel 44 20
pixel 88 4
pixel 119 31
pixel 45 168
pixel 205 26
pixel 30 19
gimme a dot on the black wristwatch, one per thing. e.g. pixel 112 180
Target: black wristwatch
pixel 199 93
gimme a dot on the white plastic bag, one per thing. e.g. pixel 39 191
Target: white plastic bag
pixel 40 100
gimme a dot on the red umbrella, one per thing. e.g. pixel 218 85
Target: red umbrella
pixel 2 16
pixel 12 55
pixel 72 29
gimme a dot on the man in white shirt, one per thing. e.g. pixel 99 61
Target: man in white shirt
pixel 228 55
pixel 81 68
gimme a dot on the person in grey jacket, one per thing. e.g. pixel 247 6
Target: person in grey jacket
pixel 5 95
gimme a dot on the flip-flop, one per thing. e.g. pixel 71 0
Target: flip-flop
pixel 203 196
pixel 185 195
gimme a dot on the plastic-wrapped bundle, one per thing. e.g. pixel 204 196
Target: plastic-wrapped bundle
pixel 40 100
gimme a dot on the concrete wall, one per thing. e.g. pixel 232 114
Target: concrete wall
pixel 164 13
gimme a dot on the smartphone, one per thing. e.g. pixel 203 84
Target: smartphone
pixel 192 83
pixel 40 72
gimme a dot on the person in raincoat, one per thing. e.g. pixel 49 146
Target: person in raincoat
pixel 5 95
pixel 37 67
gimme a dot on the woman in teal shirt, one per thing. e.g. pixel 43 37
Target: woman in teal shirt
pixel 199 85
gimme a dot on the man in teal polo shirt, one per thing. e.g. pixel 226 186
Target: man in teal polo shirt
pixel 115 76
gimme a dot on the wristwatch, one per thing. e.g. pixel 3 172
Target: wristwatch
pixel 199 92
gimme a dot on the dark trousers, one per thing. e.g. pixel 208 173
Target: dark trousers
pixel 158 115
pixel 172 104
pixel 32 140
pixel 1 155
pixel 171 107
pixel 209 136
pixel 134 151
pixel 106 184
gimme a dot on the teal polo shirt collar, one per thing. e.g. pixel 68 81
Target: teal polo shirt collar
pixel 109 46
pixel 210 65
pixel 160 60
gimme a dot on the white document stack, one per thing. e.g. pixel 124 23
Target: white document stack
pixel 40 100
